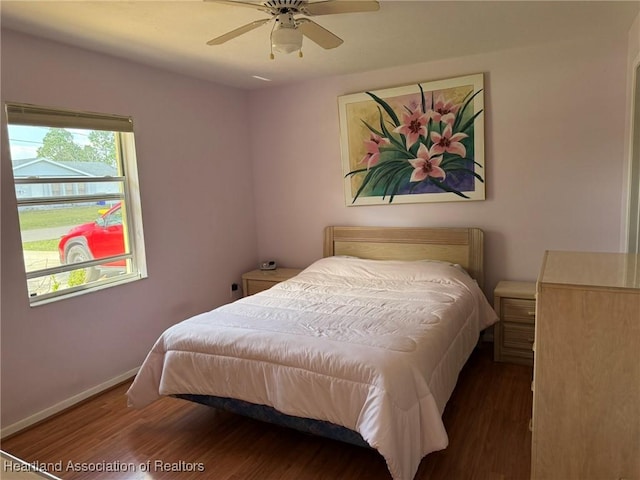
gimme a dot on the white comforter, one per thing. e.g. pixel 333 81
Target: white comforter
pixel 374 346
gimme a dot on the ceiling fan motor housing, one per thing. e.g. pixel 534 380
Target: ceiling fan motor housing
pixel 285 20
pixel 284 6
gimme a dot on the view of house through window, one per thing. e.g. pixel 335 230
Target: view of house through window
pixel 80 221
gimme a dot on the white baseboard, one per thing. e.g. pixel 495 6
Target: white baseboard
pixel 70 402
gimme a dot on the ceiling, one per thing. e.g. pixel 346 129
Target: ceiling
pixel 173 34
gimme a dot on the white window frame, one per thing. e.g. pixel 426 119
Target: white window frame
pixel 33 115
pixel 633 207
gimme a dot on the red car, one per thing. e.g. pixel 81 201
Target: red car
pixel 94 240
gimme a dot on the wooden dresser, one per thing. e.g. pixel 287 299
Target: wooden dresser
pixel 586 391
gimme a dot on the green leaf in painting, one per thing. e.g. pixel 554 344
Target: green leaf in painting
pixel 388 134
pixel 380 178
pixel 400 177
pixel 355 172
pixel 447 188
pixel 467 170
pixel 467 95
pixel 424 102
pixel 464 107
pixel 386 107
pixel 457 162
pixel 390 171
pixel 364 183
pixel 373 130
pixel 469 122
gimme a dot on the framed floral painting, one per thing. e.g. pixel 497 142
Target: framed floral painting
pixel 417 143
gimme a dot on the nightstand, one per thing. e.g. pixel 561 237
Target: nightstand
pixel 513 335
pixel 258 280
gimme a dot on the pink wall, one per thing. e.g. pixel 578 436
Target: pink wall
pixel 196 186
pixel 554 157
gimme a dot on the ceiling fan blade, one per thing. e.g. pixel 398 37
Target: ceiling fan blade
pixel 237 32
pixel 318 34
pixel 329 7
pixel 257 6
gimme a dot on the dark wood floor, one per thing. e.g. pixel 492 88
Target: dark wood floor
pixel 487 421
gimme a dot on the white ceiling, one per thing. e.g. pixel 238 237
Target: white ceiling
pixel 173 34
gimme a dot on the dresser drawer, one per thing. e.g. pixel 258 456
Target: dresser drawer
pixel 519 310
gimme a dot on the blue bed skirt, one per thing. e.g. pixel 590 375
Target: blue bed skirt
pixel 271 415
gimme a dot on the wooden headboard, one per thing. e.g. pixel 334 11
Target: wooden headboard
pixel 463 246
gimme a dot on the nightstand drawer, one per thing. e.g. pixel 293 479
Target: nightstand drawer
pixel 259 280
pixel 513 335
pixel 255 286
pixel 519 310
pixel 518 336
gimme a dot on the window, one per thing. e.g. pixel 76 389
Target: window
pixel 78 203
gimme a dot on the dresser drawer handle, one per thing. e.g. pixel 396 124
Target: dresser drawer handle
pixel 531 313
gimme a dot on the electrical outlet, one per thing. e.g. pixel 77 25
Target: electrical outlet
pixel 234 293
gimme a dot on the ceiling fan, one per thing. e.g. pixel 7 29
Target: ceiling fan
pixel 287 30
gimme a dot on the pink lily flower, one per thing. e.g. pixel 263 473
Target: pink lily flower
pixel 413 125
pixel 426 165
pixel 444 110
pixel 372 147
pixel 448 142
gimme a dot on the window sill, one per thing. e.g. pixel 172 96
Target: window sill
pixel 82 290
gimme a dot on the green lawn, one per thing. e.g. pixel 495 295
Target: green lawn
pixel 58 217
pixel 42 245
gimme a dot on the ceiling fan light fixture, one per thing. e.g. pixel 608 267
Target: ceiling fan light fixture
pixel 286 40
pixel 287 30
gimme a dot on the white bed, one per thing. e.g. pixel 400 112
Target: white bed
pixel 371 345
